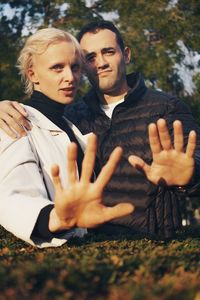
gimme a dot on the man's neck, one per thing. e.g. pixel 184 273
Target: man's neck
pixel 110 98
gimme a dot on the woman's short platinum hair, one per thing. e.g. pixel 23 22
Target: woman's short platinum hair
pixel 37 44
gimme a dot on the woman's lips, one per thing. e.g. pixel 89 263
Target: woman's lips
pixel 68 91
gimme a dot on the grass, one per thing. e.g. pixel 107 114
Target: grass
pixel 102 267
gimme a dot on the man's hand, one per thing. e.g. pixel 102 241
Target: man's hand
pixel 80 203
pixel 172 165
pixel 13 118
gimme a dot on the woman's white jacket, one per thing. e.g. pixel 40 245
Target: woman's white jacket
pixel 25 176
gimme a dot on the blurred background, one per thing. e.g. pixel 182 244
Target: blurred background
pixel 164 37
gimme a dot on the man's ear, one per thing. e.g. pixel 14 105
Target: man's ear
pixel 32 75
pixel 127 55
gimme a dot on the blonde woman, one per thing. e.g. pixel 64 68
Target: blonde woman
pixel 41 204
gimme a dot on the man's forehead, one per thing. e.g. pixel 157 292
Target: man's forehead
pixel 104 38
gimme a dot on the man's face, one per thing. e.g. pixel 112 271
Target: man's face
pixel 56 72
pixel 105 61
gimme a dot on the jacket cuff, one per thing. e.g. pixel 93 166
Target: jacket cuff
pixel 192 189
pixel 41 228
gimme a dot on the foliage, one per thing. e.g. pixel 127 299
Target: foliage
pixel 102 267
pixel 119 267
pixel 193 100
pixel 151 28
pixel 30 15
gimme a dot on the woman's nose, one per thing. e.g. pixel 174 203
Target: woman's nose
pixel 68 75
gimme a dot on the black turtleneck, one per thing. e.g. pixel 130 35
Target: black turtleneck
pixel 51 109
pixel 54 112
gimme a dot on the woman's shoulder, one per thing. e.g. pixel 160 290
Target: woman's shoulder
pixel 37 119
pixel 8 143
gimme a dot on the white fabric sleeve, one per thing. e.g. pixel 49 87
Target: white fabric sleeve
pixel 22 191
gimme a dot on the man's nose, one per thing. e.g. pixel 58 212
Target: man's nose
pixel 102 62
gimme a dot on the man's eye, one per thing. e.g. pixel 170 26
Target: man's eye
pixel 75 67
pixel 90 58
pixel 109 52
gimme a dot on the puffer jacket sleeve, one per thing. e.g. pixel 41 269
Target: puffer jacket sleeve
pixel 178 110
pixel 164 212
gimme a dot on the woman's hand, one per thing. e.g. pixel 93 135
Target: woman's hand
pixel 80 203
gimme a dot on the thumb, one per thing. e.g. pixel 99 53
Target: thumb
pixel 117 211
pixel 139 164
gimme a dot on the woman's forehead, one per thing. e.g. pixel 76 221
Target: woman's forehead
pixel 60 51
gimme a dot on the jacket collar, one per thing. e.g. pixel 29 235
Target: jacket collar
pixel 38 119
pixel 135 82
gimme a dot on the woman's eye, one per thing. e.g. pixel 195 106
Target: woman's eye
pixel 57 67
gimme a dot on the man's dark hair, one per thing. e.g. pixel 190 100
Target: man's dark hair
pixel 95 26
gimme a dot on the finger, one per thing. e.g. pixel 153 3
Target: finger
pixel 163 131
pixel 117 211
pixel 178 136
pixel 13 125
pixel 109 168
pixel 154 139
pixel 192 140
pixel 71 163
pixel 55 177
pixel 20 115
pixel 89 158
pixel 7 130
pixel 20 108
pixel 139 163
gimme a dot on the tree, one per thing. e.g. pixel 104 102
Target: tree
pixel 29 16
pixel 10 31
pixel 152 29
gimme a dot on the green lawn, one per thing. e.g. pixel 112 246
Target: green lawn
pixel 100 267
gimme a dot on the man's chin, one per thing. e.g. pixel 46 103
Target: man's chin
pixel 105 88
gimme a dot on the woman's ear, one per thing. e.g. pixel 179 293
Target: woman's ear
pixel 127 55
pixel 32 75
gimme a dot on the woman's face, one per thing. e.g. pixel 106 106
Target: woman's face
pixel 56 72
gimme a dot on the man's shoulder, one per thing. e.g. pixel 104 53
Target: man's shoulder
pixel 160 95
pixel 77 111
pixel 165 101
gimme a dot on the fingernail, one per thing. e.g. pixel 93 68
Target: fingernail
pixel 28 127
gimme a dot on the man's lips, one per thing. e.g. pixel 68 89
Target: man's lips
pixel 103 72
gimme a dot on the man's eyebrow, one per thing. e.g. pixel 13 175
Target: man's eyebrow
pixel 103 50
pixel 107 49
pixel 89 54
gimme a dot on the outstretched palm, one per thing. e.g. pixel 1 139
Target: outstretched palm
pixel 80 204
pixel 171 164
